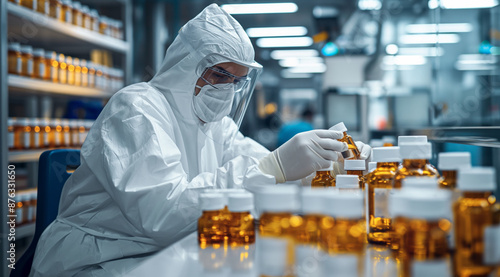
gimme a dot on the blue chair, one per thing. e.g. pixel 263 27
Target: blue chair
pixel 54 168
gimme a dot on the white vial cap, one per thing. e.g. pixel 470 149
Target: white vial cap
pixel 421 204
pixel 225 192
pixel 412 139
pixel 372 166
pixel 279 198
pixel 386 154
pixel 38 52
pixel 28 49
pixel 354 165
pixel 347 181
pixel 15 46
pixel 211 201
pixel 344 205
pixel 240 202
pixel 312 199
pixel 421 182
pixel 415 151
pixel 330 168
pixel 23 121
pixel 454 160
pixel 339 127
pixel 476 179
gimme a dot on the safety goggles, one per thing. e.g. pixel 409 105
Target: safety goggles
pixel 217 75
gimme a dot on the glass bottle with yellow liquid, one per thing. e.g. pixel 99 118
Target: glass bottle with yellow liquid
pixel 52 67
pixel 70 70
pixel 63 70
pixel 78 72
pixel 11 122
pixel 421 227
pixel 278 205
pixel 379 184
pixel 323 178
pixel 15 58
pixel 211 224
pixel 85 73
pixel 356 167
pixel 474 222
pixel 240 222
pixel 352 152
pixel 27 61
pixel 415 158
pixel 35 137
pixel 38 63
pixel 449 164
pixel 343 233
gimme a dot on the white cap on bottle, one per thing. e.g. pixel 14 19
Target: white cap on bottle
pixel 412 139
pixel 211 201
pixel 312 199
pixel 344 205
pixel 240 202
pixel 339 127
pixel 330 168
pixel 476 179
pixel 347 181
pixel 39 52
pixel 421 204
pixel 28 49
pixel 225 192
pixel 354 165
pixel 386 154
pixel 15 46
pixel 415 151
pixel 279 198
pixel 23 121
pixel 420 182
pixel 372 166
pixel 454 160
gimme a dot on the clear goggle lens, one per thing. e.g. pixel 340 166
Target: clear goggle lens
pixel 215 75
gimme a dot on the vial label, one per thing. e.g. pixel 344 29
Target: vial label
pixel 348 154
pixel 53 73
pixel 92 80
pixel 26 140
pixel 58 12
pixel 19 65
pixel 273 256
pixel 58 139
pixel 30 67
pixel 34 5
pixel 19 215
pixel 86 23
pixel 30 213
pixel 66 139
pixel 79 20
pixel 41 70
pixel 37 140
pixel 95 26
pixel 45 139
pixel 11 139
pixel 68 16
pixel 47 8
pixel 304 256
pixel 75 138
pixel 341 265
pixel 432 268
pixel 381 202
pixel 492 245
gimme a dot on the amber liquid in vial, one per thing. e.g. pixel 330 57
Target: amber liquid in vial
pixel 241 228
pixel 360 175
pixel 323 179
pixel 344 236
pixel 211 227
pixel 472 214
pixel 352 152
pixel 448 180
pixel 414 167
pixel 380 225
pixel 307 229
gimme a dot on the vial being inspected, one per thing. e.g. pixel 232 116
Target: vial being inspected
pixel 473 214
pixel 356 167
pixel 211 224
pixel 324 178
pixel 352 152
pixel 449 164
pixel 379 185
pixel 240 222
pixel 415 158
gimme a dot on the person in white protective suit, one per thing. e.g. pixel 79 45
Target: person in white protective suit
pixel 157 145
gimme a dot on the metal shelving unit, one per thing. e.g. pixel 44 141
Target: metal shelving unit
pixel 29 27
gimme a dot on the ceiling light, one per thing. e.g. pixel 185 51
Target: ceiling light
pixel 284 42
pixel 369 4
pixel 260 8
pixel 317 68
pixel 291 62
pixel 441 28
pixel 404 60
pixel 422 51
pixel 462 4
pixel 391 49
pixel 282 54
pixel 429 39
pixel 289 75
pixel 325 12
pixel 277 31
pixel 298 93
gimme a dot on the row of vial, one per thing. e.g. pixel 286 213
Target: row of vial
pixel 72 12
pixel 25 211
pixel 37 133
pixel 37 63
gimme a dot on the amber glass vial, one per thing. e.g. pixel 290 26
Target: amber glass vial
pixel 39 63
pixel 15 58
pixel 415 158
pixel 323 178
pixel 241 226
pixel 27 60
pixel 57 131
pixel 52 68
pixel 379 184
pixel 78 72
pixel 449 164
pixel 56 10
pixel 63 70
pixel 211 224
pixel 473 214
pixel 71 70
pixel 352 153
pixel 11 122
pixel 356 167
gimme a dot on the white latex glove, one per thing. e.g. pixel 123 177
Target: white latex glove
pixel 364 154
pixel 303 154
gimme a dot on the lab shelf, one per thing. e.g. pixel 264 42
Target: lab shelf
pixel 30 27
pixel 25 230
pixel 34 86
pixel 485 136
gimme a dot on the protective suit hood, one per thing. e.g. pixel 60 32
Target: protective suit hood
pixel 213 32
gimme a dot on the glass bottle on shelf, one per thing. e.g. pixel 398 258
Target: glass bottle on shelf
pixel 26 135
pixel 73 127
pixel 99 78
pixel 58 132
pixel 85 73
pixel 30 4
pixel 63 71
pixel 104 26
pixel 77 14
pixel 19 208
pixel 67 8
pixel 71 70
pixel 39 63
pixel 94 20
pixel 86 18
pixel 81 132
pixel 27 60
pixel 56 10
pixel 52 68
pixel 15 58
pixel 43 7
pixel 46 133
pixel 78 72
pixel 35 137
pixel 120 29
pixel 92 73
pixel 66 133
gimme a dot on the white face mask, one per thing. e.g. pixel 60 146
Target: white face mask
pixel 213 104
